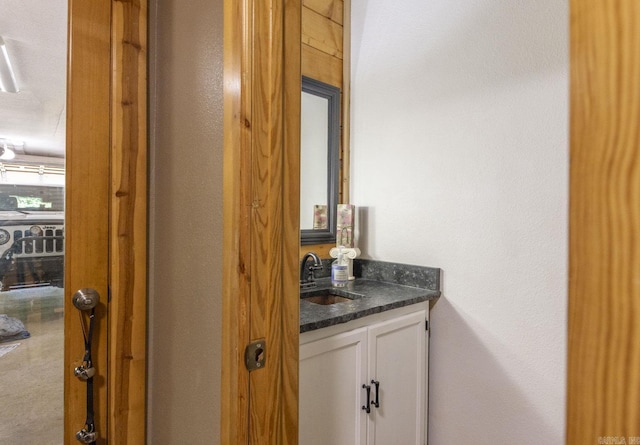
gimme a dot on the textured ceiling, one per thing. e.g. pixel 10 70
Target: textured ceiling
pixel 35 32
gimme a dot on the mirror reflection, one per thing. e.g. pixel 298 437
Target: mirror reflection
pixel 313 161
pixel 319 161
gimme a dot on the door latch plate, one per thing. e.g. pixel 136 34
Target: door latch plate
pixel 255 355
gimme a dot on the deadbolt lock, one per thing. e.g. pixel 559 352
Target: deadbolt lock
pixel 255 355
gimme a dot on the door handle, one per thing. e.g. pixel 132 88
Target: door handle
pixel 367 407
pixel 377 385
pixel 86 299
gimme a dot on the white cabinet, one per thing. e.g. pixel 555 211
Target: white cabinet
pixel 397 359
pixel 332 371
pixel 335 363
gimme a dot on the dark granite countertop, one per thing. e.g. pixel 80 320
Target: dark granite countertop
pixel 378 287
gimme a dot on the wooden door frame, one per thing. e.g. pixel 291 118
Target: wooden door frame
pixel 106 213
pixel 603 399
pixel 261 219
pixel 604 223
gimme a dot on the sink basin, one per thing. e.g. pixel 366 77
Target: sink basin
pixel 329 296
pixel 325 299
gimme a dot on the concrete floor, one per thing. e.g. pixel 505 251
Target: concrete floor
pixel 31 375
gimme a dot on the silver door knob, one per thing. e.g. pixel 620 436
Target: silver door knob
pixel 86 299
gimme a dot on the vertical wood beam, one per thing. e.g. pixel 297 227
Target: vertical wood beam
pixel 128 247
pixel 346 104
pixel 292 66
pixel 105 246
pixel 273 314
pixel 261 219
pixel 234 427
pixel 87 197
pixel 604 289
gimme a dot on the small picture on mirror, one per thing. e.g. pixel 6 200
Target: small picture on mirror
pixel 319 217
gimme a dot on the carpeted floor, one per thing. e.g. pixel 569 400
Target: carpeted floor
pixel 31 374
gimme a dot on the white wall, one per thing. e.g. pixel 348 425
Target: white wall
pixel 185 270
pixel 459 161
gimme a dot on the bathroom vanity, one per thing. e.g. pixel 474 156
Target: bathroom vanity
pixel 364 357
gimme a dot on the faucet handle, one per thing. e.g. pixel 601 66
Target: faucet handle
pixel 310 275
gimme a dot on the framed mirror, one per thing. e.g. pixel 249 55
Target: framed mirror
pixel 319 161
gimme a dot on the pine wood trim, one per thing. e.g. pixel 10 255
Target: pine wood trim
pixel 236 221
pixel 87 202
pixel 106 177
pixel 332 9
pixel 128 246
pixel 261 211
pixel 604 289
pixel 290 337
pixel 346 105
pixel 322 250
pixel 321 66
pixel 321 33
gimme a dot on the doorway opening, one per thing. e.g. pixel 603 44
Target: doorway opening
pixel 33 79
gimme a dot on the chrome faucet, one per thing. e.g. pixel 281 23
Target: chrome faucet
pixel 307 279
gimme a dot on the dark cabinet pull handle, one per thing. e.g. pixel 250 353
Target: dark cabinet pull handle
pixel 377 402
pixel 367 407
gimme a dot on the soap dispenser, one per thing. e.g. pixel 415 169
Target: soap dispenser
pixel 339 270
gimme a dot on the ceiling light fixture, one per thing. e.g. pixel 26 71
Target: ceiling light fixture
pixel 7 77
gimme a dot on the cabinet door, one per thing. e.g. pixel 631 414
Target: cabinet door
pixel 397 359
pixel 332 371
